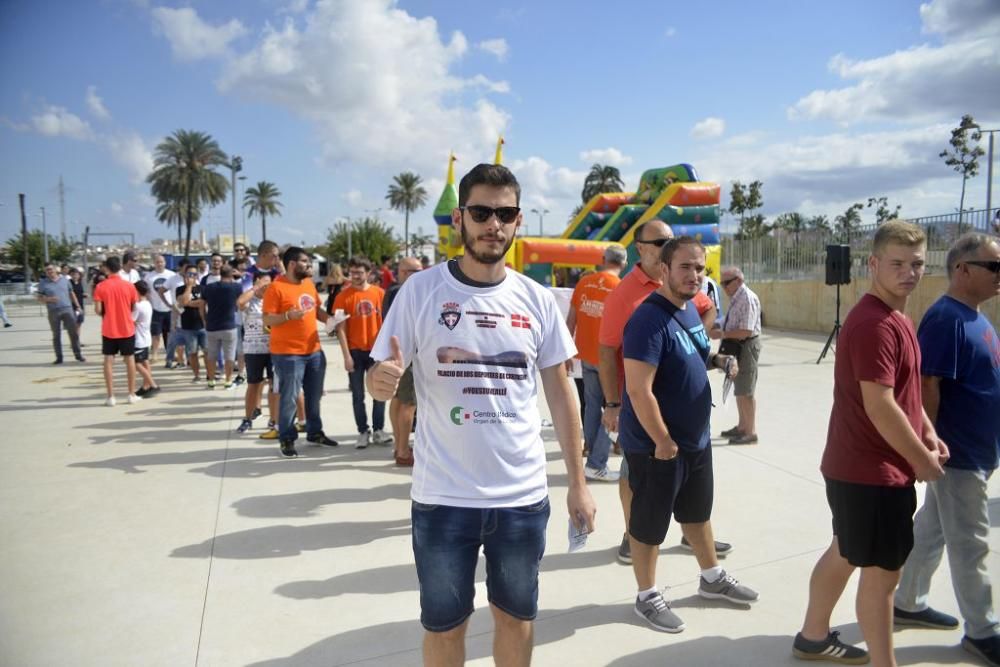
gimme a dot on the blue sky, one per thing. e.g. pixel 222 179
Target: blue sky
pixel 826 103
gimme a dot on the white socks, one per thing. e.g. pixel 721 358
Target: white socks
pixel 712 574
pixel 645 595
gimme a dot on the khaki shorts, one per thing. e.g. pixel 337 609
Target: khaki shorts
pixel 406 392
pixel 746 381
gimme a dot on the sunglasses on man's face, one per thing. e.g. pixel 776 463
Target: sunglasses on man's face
pixel 659 243
pixel 481 214
pixel 192 275
pixel 993 265
pixel 725 283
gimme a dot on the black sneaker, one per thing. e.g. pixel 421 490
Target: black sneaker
pixel 141 391
pixel 153 391
pixel 244 426
pixel 625 551
pixel 321 439
pixel 288 449
pixel 239 380
pixel 830 649
pixel 988 649
pixel 722 549
pixel 928 618
pixel 256 413
pixel 57 362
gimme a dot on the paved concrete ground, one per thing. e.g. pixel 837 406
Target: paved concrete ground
pixel 152 534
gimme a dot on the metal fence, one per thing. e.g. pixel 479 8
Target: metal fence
pixel 784 255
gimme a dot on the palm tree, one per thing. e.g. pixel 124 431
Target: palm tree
pixel 183 174
pixel 406 195
pixel 262 200
pixel 793 222
pixel 172 213
pixel 602 178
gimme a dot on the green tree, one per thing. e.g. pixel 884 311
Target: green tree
pixel 882 210
pixel 743 201
pixel 793 222
pixel 406 195
pixel 369 237
pixel 601 178
pixel 262 200
pixel 421 240
pixel 963 157
pixel 172 213
pixel 819 223
pixel 183 172
pixel 59 251
pixel 848 222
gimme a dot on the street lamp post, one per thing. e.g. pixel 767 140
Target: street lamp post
pixel 243 208
pixel 45 236
pixel 989 173
pixel 541 219
pixel 235 166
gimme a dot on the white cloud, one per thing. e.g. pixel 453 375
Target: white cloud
pixel 610 155
pixel 130 151
pixel 117 208
pixel 294 7
pixel 498 47
pixel 708 128
pixel 922 83
pixel 377 84
pixel 671 31
pixel 353 197
pixel 193 39
pixel 55 121
pixel 96 104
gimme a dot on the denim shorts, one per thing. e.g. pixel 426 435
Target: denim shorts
pixel 446 542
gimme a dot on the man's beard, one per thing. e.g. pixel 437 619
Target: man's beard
pixel 487 257
pixel 300 273
pixel 679 288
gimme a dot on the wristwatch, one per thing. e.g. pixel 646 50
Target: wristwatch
pixel 612 404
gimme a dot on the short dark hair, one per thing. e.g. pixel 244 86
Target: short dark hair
pixel 257 275
pixel 292 254
pixel 359 262
pixel 113 263
pixel 671 246
pixel 386 258
pixel 129 256
pixel 494 175
pixel 142 288
pixel 226 271
pixel 219 255
pixel 266 246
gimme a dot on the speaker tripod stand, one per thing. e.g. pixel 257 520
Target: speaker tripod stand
pixel 836 329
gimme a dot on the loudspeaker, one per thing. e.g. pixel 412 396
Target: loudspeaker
pixel 838 265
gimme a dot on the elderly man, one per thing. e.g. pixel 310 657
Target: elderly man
pixel 56 292
pixel 161 297
pixel 403 408
pixel 740 335
pixel 960 378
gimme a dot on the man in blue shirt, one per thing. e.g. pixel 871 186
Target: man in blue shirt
pixel 56 292
pixel 219 311
pixel 664 432
pixel 960 369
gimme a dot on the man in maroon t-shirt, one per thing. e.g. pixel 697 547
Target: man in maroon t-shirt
pixel 879 441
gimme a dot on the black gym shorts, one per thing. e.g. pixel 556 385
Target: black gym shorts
pixel 682 487
pixel 256 364
pixel 873 524
pixel 123 346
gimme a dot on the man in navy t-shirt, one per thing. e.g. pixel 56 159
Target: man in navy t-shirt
pixel 960 371
pixel 219 310
pixel 664 432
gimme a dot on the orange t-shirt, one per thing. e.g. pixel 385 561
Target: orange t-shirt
pixel 118 297
pixel 365 308
pixel 703 303
pixel 588 302
pixel 619 306
pixel 294 336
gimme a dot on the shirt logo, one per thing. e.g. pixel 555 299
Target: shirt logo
pixel 519 321
pixel 451 313
pixel 364 308
pixel 306 302
pixel 457 414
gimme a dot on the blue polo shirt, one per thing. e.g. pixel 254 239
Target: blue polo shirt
pixel 960 346
pixel 655 335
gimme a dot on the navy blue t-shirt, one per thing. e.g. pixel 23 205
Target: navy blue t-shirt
pixel 657 337
pixel 960 346
pixel 220 305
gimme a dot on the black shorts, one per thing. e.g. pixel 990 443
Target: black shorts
pixel 141 355
pixel 122 346
pixel 873 524
pixel 256 364
pixel 160 324
pixel 683 487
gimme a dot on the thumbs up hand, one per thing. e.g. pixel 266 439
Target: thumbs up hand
pixel 383 379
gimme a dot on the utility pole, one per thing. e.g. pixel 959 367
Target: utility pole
pixel 235 166
pixel 24 246
pixel 541 219
pixel 62 209
pixel 45 236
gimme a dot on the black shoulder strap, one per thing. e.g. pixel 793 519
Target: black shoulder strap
pixel 672 311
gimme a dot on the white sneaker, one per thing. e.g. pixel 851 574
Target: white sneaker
pixel 110 402
pixel 132 398
pixel 603 475
pixel 380 437
pixel 362 441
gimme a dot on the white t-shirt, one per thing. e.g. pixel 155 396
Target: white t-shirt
pixel 156 280
pixel 256 337
pixel 143 315
pixel 171 285
pixel 476 352
pixel 131 275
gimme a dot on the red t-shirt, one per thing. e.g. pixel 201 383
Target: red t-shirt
pixel 118 297
pixel 876 344
pixel 618 307
pixel 387 278
pixel 588 302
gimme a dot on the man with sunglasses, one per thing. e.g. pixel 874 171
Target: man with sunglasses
pixel 742 323
pixel 960 378
pixel 478 335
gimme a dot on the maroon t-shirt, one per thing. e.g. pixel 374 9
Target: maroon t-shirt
pixel 876 344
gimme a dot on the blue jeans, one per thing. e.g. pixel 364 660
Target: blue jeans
pixel 446 542
pixel 295 373
pixel 356 378
pixel 955 516
pixel 193 340
pixel 595 437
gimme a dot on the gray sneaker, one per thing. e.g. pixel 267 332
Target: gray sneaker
pixel 363 439
pixel 727 588
pixel 657 613
pixel 625 551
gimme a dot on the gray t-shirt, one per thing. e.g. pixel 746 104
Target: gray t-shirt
pixel 59 288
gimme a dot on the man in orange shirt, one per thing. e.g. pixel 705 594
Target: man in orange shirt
pixel 362 301
pixel 291 308
pixel 114 301
pixel 584 322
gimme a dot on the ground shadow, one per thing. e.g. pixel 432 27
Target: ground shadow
pixel 295 505
pixel 993 508
pixel 135 463
pixel 715 651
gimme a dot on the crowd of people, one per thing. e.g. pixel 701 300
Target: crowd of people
pixel 467 341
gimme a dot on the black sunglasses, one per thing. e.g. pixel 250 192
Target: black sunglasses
pixel 505 214
pixel 993 265
pixel 659 243
pixel 725 283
